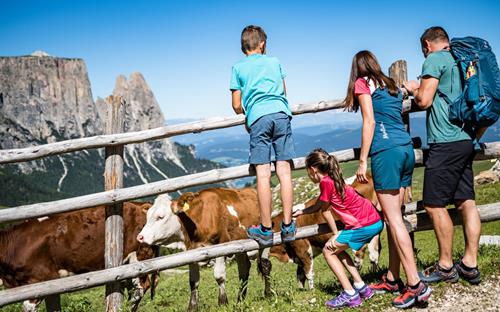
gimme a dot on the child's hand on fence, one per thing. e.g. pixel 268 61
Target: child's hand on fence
pixel 297 210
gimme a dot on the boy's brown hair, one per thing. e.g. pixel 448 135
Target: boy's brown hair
pixel 435 33
pixel 251 37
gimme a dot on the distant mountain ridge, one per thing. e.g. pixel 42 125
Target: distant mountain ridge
pixel 333 132
pixel 46 99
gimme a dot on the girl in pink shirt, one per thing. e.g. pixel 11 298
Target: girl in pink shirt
pixel 362 223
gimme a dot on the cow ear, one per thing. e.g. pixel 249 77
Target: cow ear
pixel 145 206
pixel 189 196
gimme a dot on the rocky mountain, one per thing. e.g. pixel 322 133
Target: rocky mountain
pixel 45 99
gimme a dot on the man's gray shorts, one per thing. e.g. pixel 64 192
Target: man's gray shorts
pixel 271 132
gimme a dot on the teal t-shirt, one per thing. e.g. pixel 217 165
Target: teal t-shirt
pixel 260 79
pixel 442 66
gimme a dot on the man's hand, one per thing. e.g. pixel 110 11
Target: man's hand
pixel 411 86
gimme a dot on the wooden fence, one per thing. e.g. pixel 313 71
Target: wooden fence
pixel 113 195
pixel 415 222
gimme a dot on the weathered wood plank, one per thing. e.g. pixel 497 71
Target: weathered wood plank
pixel 174 184
pixel 488 212
pixel 67 146
pixel 36 152
pixel 422 221
pixel 489 240
pixel 113 179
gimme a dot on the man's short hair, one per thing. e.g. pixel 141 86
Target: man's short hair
pixel 251 37
pixel 435 33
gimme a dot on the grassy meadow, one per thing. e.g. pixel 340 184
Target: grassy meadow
pixel 173 290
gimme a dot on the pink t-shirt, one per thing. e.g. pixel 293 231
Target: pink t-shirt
pixel 354 211
pixel 362 86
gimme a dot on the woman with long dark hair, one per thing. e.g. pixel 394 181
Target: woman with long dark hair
pixel 386 141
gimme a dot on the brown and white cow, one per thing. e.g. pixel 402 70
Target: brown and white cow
pixel 209 217
pixel 68 243
pixel 303 251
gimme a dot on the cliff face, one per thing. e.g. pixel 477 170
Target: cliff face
pixel 46 99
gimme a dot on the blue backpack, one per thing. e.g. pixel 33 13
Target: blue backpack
pixel 479 104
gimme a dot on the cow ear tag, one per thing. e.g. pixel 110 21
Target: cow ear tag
pixel 186 207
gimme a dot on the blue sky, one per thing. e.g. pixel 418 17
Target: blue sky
pixel 185 49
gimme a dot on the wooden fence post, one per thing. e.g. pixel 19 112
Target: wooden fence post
pixel 399 72
pixel 113 179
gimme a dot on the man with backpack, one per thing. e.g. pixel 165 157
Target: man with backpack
pixel 448 177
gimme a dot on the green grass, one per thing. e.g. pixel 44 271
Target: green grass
pixel 173 291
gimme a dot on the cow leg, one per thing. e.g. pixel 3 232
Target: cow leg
pixel 301 276
pixel 305 270
pixel 264 266
pixel 134 286
pixel 53 303
pixel 243 273
pixel 31 305
pixel 374 252
pixel 359 256
pixel 309 268
pixel 194 282
pixel 220 277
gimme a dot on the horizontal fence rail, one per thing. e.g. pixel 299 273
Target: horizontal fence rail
pixel 36 152
pixel 87 280
pixel 490 150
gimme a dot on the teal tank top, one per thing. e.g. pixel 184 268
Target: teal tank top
pixel 389 127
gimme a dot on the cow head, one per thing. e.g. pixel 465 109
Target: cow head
pixel 162 226
pixel 184 202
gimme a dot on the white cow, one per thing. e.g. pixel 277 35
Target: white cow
pixel 210 217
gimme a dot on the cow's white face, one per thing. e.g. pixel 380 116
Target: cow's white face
pixel 162 226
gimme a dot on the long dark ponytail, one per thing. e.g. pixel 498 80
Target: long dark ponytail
pixel 329 164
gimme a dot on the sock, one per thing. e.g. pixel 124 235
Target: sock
pixel 265 228
pixel 286 225
pixel 466 268
pixel 359 285
pixel 414 287
pixel 350 292
pixel 394 282
pixel 445 270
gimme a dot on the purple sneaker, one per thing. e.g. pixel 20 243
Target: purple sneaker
pixel 344 300
pixel 365 292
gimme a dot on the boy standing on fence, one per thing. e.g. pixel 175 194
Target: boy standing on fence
pixel 258 91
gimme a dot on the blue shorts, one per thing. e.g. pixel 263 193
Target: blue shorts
pixel 393 168
pixel 356 238
pixel 271 132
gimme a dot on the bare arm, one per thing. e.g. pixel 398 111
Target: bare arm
pixel 423 93
pixel 236 101
pixel 284 86
pixel 319 205
pixel 365 102
pixel 328 215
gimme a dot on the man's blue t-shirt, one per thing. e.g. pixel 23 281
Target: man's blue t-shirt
pixel 260 79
